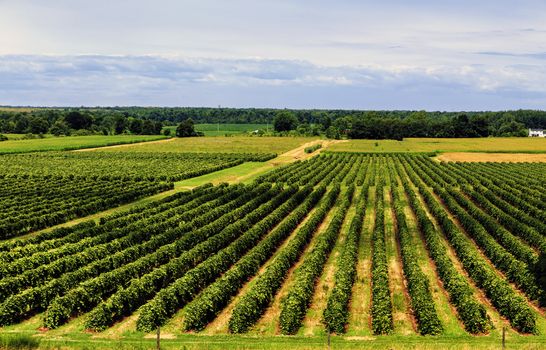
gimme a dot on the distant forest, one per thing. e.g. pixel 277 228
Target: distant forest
pixel 333 123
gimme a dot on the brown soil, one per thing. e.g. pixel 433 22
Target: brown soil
pixel 398 280
pixel 491 157
pixel 220 324
pixel 271 315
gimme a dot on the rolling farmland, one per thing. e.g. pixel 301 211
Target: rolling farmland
pixel 72 143
pixel 369 247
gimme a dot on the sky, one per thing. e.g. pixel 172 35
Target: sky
pixel 346 54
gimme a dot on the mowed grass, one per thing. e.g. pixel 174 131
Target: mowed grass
pixel 488 144
pixel 221 144
pixel 22 136
pixel 71 143
pixel 135 340
pixel 224 129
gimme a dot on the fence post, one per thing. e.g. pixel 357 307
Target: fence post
pixel 503 338
pixel 329 334
pixel 158 340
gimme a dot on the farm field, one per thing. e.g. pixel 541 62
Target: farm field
pixel 492 157
pixel 486 145
pixel 225 129
pixel 70 143
pixel 221 144
pixel 166 166
pixel 377 249
pixel 21 136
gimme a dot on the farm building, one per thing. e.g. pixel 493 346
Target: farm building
pixel 536 133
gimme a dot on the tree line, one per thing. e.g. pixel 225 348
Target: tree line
pixel 399 124
pixel 76 122
pixel 331 123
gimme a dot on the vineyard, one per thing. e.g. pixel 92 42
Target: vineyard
pixel 343 243
pixel 41 190
pixel 30 204
pixel 153 166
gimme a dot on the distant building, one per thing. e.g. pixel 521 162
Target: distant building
pixel 537 133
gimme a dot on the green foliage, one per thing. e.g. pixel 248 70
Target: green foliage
pixel 499 291
pixel 36 144
pixel 156 312
pixel 540 272
pixel 124 244
pixel 253 304
pixel 40 201
pixel 470 311
pixel 333 133
pixel 382 321
pixel 284 121
pixel 313 148
pixel 336 314
pixel 151 166
pixel 195 250
pixel 186 129
pixel 175 256
pixel 294 306
pixel 19 342
pixel 213 299
pixel 422 302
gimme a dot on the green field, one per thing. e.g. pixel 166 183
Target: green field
pixel 225 129
pixel 198 263
pixel 22 136
pixel 220 144
pixel 71 143
pixel 490 144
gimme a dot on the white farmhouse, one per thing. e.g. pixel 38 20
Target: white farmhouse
pixel 537 133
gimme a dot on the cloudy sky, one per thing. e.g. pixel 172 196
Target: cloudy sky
pixel 390 54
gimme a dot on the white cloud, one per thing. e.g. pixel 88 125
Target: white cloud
pixel 75 51
pixel 155 80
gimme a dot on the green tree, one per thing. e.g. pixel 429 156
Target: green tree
pixel 21 124
pixel 59 128
pixel 284 121
pixel 507 125
pixel 38 125
pixel 120 124
pixel 186 128
pixel 135 125
pixel 333 133
pixel 78 120
pixel 148 127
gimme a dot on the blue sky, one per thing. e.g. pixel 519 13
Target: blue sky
pixel 434 55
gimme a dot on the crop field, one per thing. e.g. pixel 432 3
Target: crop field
pixel 486 144
pixel 384 250
pixel 221 144
pixel 166 166
pixel 70 143
pixel 225 129
pixel 29 204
